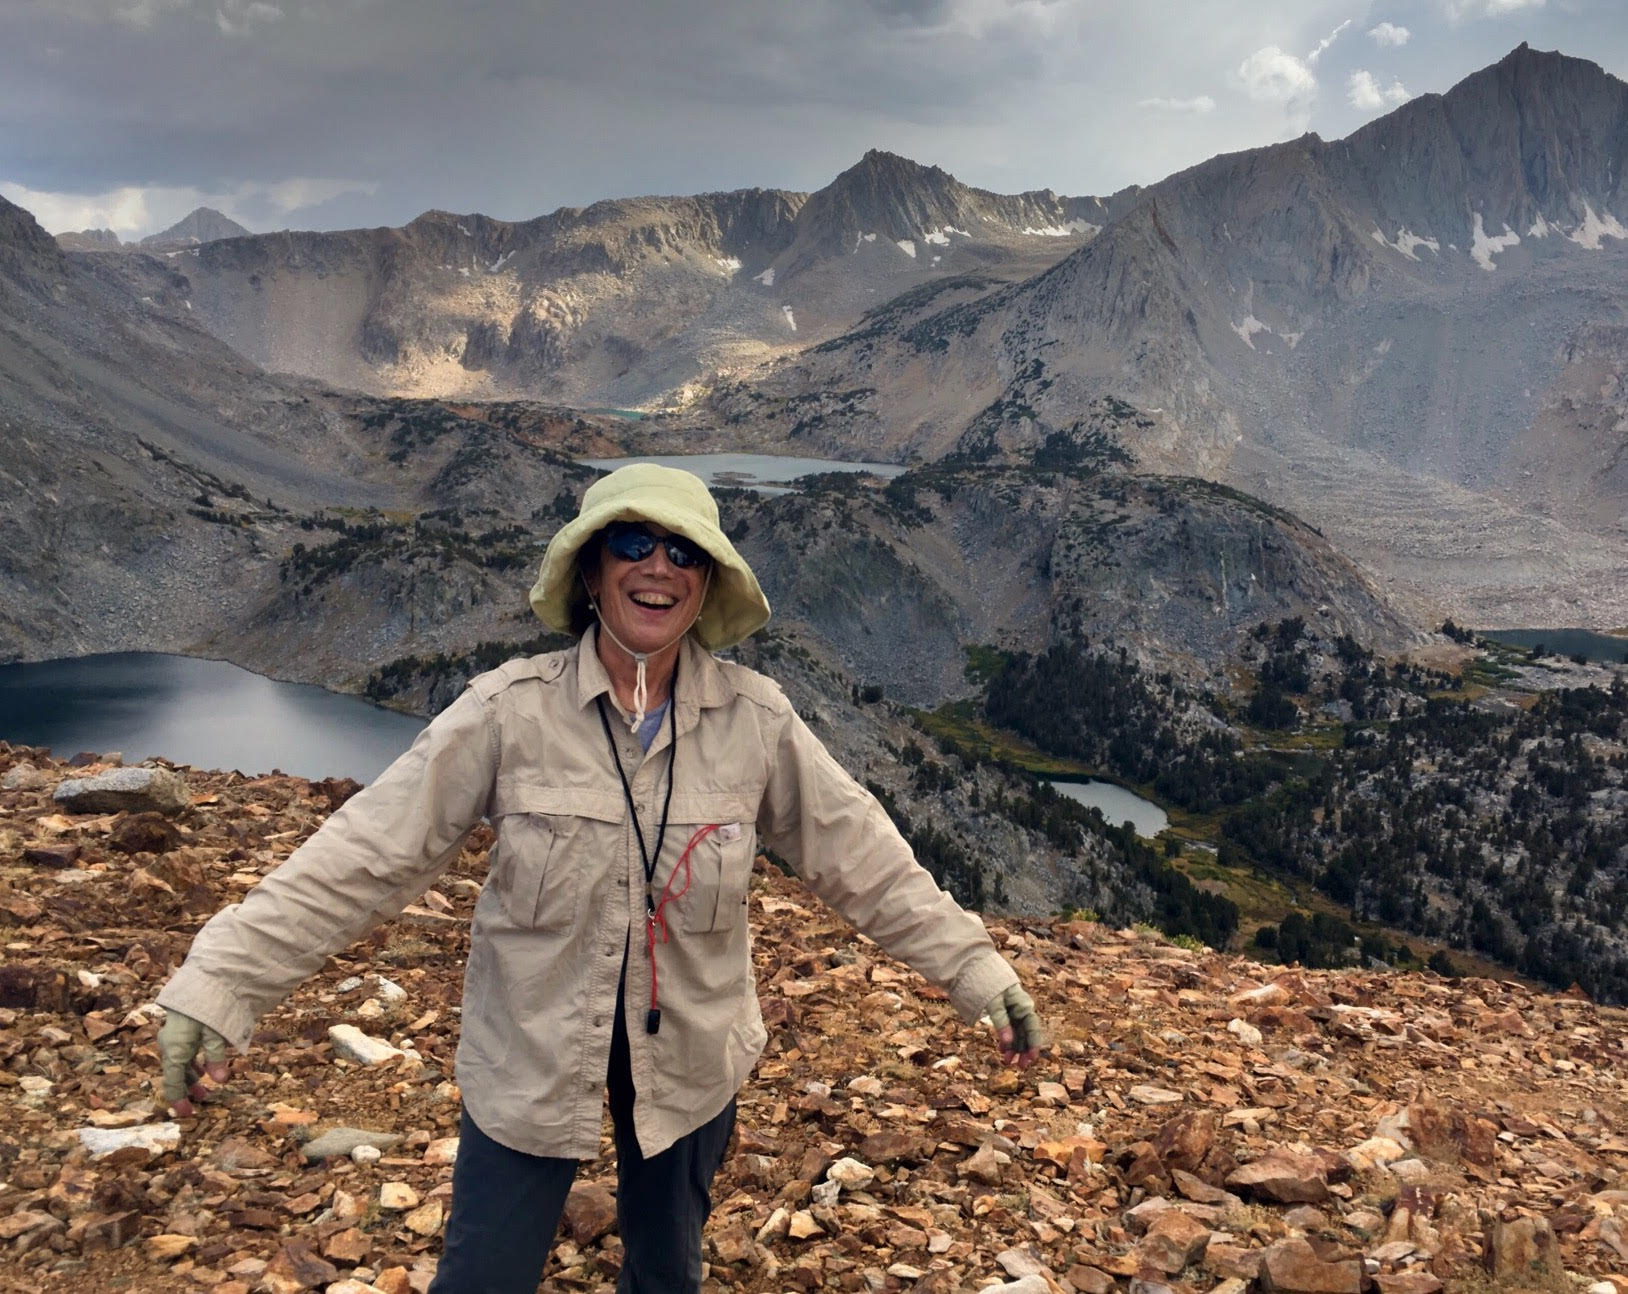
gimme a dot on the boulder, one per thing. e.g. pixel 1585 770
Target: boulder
pixel 590 1211
pixel 1283 1176
pixel 153 1137
pixel 352 1044
pixel 1293 1267
pixel 1513 1249
pixel 125 790
pixel 342 1141
pixel 23 777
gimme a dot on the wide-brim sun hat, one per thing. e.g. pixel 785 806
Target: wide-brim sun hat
pixel 735 607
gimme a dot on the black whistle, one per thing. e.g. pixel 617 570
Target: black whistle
pixel 652 1021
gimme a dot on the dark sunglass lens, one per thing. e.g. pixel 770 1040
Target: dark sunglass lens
pixel 681 552
pixel 630 543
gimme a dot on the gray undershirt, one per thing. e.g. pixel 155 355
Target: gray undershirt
pixel 652 723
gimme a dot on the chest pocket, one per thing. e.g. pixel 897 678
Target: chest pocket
pixel 549 843
pixel 720 864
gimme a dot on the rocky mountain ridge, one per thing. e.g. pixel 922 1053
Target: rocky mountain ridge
pixel 620 302
pixel 1362 331
pixel 1199 1120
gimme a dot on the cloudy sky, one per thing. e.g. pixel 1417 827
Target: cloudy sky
pixel 336 113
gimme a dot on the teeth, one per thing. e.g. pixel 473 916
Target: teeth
pixel 654 600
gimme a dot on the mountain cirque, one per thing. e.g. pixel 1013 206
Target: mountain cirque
pixel 1200 1121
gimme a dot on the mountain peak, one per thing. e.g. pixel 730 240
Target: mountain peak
pixel 201 225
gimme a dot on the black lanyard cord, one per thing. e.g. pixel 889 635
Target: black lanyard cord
pixel 645 857
pixel 652 1019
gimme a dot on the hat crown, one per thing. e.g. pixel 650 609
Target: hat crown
pixel 640 482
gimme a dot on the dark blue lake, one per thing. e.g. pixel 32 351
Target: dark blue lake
pixel 201 712
pixel 1564 642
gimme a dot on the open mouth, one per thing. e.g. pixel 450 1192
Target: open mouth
pixel 653 601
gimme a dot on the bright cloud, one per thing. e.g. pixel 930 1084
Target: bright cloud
pixel 1366 94
pixel 1322 45
pixel 1389 34
pixel 124 211
pixel 134 210
pixel 1273 75
pixel 1197 106
pixel 1458 10
pixel 238 17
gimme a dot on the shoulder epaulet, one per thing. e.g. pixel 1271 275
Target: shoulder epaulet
pixel 545 668
pixel 754 686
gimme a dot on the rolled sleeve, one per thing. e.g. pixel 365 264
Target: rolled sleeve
pixel 846 849
pixel 377 853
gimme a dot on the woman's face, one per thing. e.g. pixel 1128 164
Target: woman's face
pixel 646 604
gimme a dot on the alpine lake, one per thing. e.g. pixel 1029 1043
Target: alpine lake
pixel 211 714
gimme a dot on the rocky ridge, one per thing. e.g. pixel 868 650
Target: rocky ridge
pixel 1199 1121
pixel 1363 331
pixel 618 303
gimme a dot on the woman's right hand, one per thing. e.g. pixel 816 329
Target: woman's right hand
pixel 185 1079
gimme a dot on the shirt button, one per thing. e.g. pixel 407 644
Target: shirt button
pixel 599 1022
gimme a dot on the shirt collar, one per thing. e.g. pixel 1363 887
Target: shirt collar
pixel 701 683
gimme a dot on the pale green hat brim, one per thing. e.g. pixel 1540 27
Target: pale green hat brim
pixel 735 607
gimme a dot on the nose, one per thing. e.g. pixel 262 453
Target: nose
pixel 659 562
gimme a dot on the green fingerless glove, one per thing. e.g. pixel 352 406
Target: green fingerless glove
pixel 179 1038
pixel 1014 1007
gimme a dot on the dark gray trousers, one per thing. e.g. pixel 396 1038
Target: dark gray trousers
pixel 506 1205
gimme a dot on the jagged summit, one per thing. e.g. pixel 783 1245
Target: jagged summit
pixel 202 225
pixel 1524 150
pixel 89 240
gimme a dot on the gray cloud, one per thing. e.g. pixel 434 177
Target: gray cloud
pixel 333 112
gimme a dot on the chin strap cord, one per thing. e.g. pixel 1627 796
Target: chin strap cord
pixel 641 691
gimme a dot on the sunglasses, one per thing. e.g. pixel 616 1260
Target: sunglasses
pixel 629 542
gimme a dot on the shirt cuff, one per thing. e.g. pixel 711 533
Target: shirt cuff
pixel 977 985
pixel 194 993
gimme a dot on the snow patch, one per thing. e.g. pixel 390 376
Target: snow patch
pixel 499 263
pixel 187 304
pixel 907 247
pixel 941 236
pixel 1293 338
pixel 1594 228
pixel 465 232
pixel 1248 329
pixel 730 264
pixel 937 259
pixel 766 278
pixel 463 270
pixel 1062 231
pixel 869 238
pixel 1407 242
pixel 1541 228
pixel 1484 247
pixel 791 319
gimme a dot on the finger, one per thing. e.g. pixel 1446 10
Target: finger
pixel 214 1050
pixel 177 1045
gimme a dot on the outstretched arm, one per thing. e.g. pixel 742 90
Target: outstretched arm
pixel 380 850
pixel 844 846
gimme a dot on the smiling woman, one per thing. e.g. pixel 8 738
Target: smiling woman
pixel 610 950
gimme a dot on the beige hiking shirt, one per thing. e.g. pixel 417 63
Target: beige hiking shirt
pixel 524 747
